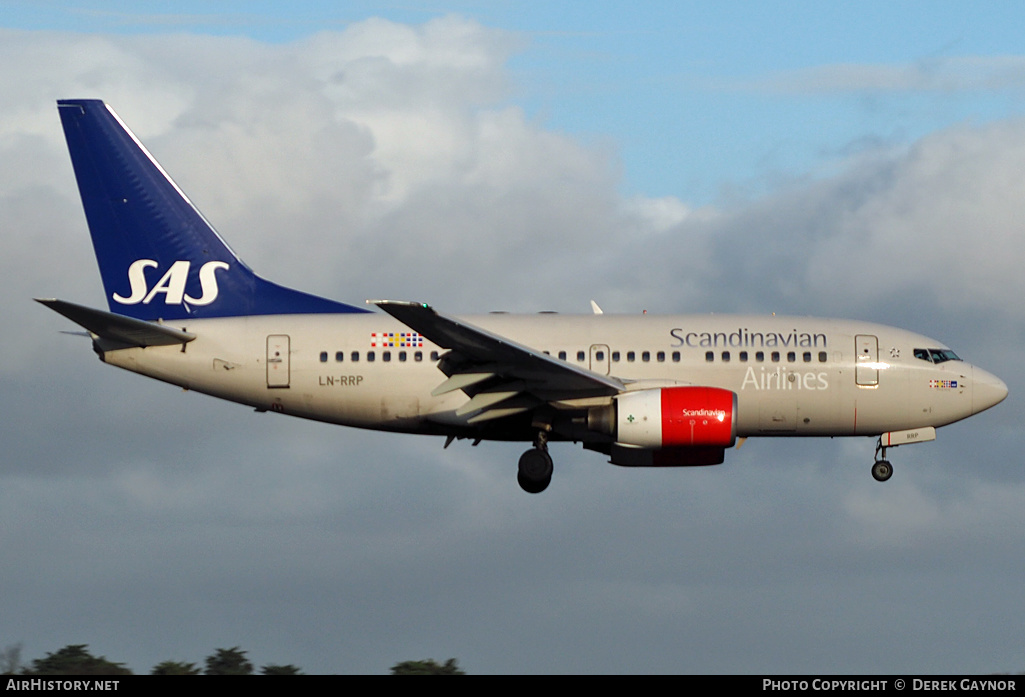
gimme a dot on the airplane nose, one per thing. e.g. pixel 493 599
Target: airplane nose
pixel 987 390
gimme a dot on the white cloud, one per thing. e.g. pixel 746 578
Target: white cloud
pixel 933 226
pixel 941 220
pixel 660 214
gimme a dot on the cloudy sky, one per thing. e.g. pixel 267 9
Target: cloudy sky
pixel 856 160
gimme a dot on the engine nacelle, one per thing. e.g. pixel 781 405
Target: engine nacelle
pixel 670 417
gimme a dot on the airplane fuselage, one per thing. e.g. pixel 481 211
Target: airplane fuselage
pixel 793 376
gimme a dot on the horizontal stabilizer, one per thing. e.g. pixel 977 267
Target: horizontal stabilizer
pixel 118 331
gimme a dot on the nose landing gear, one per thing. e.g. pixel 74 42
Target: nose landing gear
pixel 881 468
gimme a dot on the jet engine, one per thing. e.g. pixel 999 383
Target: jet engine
pixel 670 417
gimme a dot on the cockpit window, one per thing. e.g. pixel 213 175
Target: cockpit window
pixel 936 355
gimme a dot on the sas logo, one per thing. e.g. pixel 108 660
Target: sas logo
pixel 171 284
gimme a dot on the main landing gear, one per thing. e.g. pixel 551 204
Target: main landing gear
pixel 881 468
pixel 535 472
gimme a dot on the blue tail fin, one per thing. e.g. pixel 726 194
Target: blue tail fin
pixel 159 258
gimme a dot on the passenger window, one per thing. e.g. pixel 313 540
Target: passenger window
pixel 807 356
pixel 323 356
pixel 435 357
pixel 775 356
pixel 615 356
pixel 709 356
pixel 339 356
pixel 354 357
pixel 760 356
pixel 676 356
pixel 599 355
pixel 629 356
pixel 725 356
pixel 791 356
pixel 743 356
pixel 646 356
pixel 822 356
pixel 418 356
pixel 660 356
pixel 386 356
pixel 402 356
pixel 562 355
pixel 370 356
pixel 581 356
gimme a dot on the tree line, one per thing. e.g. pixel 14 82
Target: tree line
pixel 76 659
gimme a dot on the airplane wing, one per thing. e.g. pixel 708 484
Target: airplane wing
pixel 117 331
pixel 501 376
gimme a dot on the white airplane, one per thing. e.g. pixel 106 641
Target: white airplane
pixel 644 390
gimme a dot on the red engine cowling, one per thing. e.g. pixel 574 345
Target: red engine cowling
pixel 677 417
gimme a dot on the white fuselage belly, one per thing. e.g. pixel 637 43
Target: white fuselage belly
pixel 794 376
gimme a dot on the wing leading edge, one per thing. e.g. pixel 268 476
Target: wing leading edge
pixel 502 377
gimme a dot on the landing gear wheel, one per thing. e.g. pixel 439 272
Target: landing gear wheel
pixel 882 470
pixel 535 471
